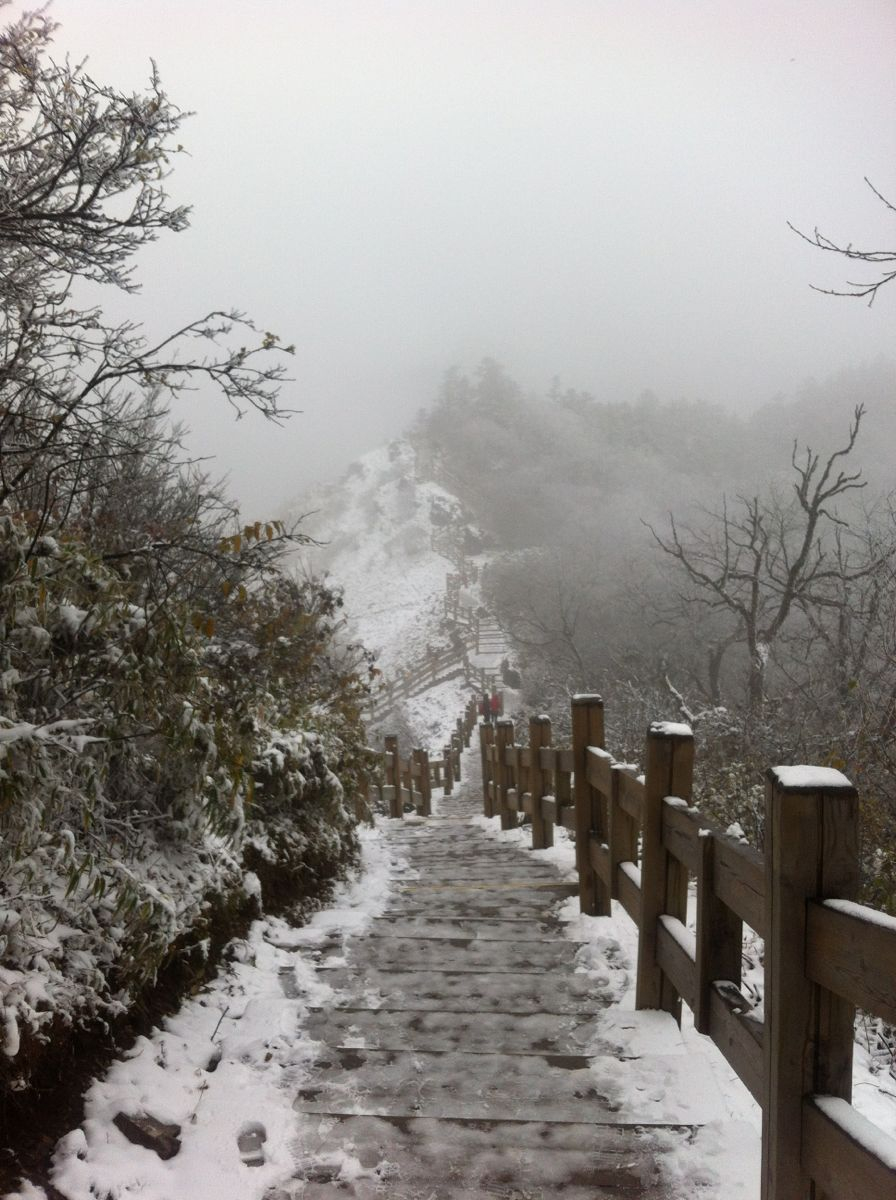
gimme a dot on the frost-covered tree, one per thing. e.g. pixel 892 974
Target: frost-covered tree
pixel 765 559
pixel 83 189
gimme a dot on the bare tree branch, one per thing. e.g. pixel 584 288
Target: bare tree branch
pixel 861 289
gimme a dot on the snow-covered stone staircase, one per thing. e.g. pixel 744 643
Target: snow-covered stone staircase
pixel 472 1049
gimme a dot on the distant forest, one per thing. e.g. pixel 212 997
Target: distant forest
pixel 733 571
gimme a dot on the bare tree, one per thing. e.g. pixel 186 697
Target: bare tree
pixel 549 602
pixel 885 259
pixel 766 559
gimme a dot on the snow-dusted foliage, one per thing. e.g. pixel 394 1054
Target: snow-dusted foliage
pixel 144 755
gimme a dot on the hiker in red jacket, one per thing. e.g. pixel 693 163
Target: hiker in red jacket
pixel 495 706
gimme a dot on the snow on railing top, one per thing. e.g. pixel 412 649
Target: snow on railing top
pixel 811 779
pixel 671 729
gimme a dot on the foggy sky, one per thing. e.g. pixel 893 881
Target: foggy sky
pixel 598 190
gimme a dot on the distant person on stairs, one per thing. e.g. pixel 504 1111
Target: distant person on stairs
pixel 485 709
pixel 495 706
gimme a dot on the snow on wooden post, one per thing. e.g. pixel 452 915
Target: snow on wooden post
pixel 811 853
pixel 664 880
pixel 503 741
pixel 392 774
pixel 539 735
pixel 587 730
pixel 448 776
pixel 421 758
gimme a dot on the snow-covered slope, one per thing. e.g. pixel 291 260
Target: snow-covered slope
pixel 376 527
pixel 384 538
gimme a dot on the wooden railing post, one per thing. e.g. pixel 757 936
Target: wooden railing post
pixel 472 716
pixel 664 880
pixel 561 786
pixel 811 852
pixel 454 750
pixel 392 775
pixel 720 934
pixel 622 831
pixel 539 735
pixel 503 740
pixel 486 741
pixel 448 770
pixel 421 758
pixel 587 730
pixel 406 774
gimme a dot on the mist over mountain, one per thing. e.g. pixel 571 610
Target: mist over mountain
pixel 684 561
pixel 531 470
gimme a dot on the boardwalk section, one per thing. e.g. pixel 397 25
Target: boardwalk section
pixel 465 1054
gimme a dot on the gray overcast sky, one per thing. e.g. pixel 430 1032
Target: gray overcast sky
pixel 598 190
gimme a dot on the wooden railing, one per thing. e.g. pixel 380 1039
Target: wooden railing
pixel 435 667
pixel 449 541
pixel 639 841
pixel 410 780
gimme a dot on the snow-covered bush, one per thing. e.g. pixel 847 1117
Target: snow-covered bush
pixel 149 752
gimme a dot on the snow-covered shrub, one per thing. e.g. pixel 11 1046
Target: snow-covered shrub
pixel 148 750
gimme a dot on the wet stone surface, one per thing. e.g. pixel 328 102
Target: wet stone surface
pixel 414 1158
pixel 512 1087
pixel 458 954
pixel 463 1054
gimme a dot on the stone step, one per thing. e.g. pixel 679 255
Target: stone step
pixel 475 854
pixel 473 905
pixel 477 872
pixel 412 868
pixel 453 954
pixel 482 880
pixel 456 832
pixel 466 991
pixel 495 929
pixel 504 891
pixel 478 1160
pixel 512 1087
pixel 622 1035
pixel 470 861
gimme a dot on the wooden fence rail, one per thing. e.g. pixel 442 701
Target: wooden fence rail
pixel 639 841
pixel 410 780
pixel 435 667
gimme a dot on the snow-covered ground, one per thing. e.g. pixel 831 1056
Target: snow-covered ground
pixel 226 1064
